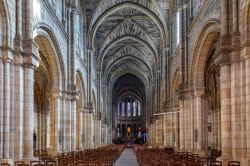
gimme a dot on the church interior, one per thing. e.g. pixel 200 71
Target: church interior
pixel 124 82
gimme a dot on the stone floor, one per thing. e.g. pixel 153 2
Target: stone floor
pixel 127 158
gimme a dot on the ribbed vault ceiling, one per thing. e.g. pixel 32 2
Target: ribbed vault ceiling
pixel 128 37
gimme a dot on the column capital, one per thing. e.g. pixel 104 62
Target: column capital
pixel 30 53
pixel 198 92
pixel 7 54
pixel 56 94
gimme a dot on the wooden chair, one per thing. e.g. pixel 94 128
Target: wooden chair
pixel 32 163
pixel 19 162
pixel 5 164
pixel 233 163
pixel 51 163
pixel 216 163
pixel 23 165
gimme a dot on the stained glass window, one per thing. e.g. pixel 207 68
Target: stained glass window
pixel 129 109
pixel 123 108
pixel 134 108
pixel 139 109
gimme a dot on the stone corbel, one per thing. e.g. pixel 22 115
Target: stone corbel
pixel 7 55
pixel 55 94
pixel 30 56
pixel 198 92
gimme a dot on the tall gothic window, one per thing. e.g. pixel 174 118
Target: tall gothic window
pixel 129 108
pixel 178 27
pixel 118 109
pixel 123 108
pixel 134 108
pixel 139 109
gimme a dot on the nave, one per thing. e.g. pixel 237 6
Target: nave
pixel 123 155
pixel 78 76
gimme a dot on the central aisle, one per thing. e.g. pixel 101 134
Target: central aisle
pixel 127 158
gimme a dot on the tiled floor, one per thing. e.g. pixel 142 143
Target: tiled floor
pixel 127 158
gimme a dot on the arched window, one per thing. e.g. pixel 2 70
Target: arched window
pixel 123 108
pixel 128 108
pixel 178 27
pixel 118 109
pixel 134 108
pixel 139 109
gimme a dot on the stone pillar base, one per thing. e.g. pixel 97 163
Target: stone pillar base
pixel 27 160
pixel 8 161
pixel 202 153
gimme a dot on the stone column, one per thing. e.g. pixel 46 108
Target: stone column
pixel 243 108
pixel 73 123
pixel 67 123
pixel 55 120
pixel 177 127
pixel 182 124
pixel 235 110
pixel 247 105
pixel 79 124
pixel 199 120
pixel 6 126
pixel 1 106
pixel 28 111
pixel 30 62
pixel 84 129
pixel 226 112
pixel 89 128
pixel 187 122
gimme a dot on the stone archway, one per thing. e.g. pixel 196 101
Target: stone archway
pixel 175 111
pixel 49 127
pixel 80 122
pixel 204 73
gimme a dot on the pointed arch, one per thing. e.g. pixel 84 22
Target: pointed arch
pixel 48 45
pixel 4 24
pixel 206 37
pixel 81 88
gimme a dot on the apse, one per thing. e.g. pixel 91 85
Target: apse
pixel 128 100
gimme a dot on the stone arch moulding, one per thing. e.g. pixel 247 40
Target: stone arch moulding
pixel 132 28
pixel 56 57
pixel 82 87
pixel 5 24
pixel 203 43
pixel 95 23
pixel 126 37
pixel 94 99
pixel 174 84
pixel 134 72
pixel 109 68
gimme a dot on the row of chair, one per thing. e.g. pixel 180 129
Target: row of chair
pixel 169 157
pixel 104 156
